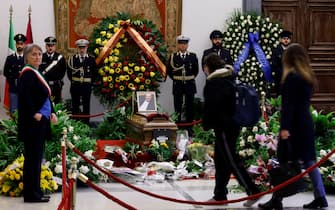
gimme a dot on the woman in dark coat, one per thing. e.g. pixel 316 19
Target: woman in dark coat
pixel 219 107
pixel 296 124
pixel 35 111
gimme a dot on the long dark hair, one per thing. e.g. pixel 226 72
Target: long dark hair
pixel 295 59
pixel 213 61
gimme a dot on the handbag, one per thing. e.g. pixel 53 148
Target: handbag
pixel 285 170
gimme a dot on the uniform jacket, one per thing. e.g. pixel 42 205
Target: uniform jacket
pixel 296 116
pixel 12 69
pixel 32 95
pixel 175 68
pixel 219 97
pixel 277 66
pixel 82 70
pixel 223 53
pixel 53 69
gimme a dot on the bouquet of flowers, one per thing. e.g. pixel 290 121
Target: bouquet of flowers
pixel 127 67
pixel 11 179
pixel 160 151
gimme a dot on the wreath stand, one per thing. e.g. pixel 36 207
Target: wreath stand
pixel 143 127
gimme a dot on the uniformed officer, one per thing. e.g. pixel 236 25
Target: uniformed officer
pixel 216 38
pixel 182 68
pixel 53 68
pixel 276 58
pixel 81 71
pixel 13 66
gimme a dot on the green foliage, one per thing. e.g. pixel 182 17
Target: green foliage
pixel 202 136
pixel 132 149
pixel 113 126
pixel 10 146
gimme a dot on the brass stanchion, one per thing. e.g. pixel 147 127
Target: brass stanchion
pixel 73 173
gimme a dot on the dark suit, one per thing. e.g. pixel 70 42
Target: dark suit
pixel 54 69
pixel 183 72
pixel 223 53
pixel 12 69
pixel 277 67
pixel 32 96
pixel 81 74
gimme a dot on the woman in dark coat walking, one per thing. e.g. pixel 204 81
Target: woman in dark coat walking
pixel 296 124
pixel 219 107
pixel 35 112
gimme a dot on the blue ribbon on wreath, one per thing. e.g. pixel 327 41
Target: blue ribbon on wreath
pixel 260 55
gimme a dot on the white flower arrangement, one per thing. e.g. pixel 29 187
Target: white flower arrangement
pixel 237 34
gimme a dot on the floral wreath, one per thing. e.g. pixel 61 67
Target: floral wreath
pixel 126 67
pixel 237 37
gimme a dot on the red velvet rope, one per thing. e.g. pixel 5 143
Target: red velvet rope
pixel 109 196
pixel 189 124
pixel 211 202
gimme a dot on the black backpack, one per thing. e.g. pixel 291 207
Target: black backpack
pixel 247 105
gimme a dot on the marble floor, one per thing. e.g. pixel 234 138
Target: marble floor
pixel 196 190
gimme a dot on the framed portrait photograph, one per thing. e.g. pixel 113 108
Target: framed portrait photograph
pixel 146 101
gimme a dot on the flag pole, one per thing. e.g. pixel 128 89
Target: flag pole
pixel 29 33
pixel 10 11
pixel 11 49
pixel 29 10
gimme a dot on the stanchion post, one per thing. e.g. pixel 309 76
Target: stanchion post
pixel 73 173
pixel 133 101
pixel 64 178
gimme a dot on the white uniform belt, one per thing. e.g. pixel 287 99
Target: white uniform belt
pixel 81 79
pixel 183 78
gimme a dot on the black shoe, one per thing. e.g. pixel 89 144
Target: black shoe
pixel 275 204
pixel 318 203
pixel 46 196
pixel 36 200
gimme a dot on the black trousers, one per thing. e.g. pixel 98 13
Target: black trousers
pixel 228 162
pixel 178 106
pixel 56 90
pixel 81 95
pixel 34 143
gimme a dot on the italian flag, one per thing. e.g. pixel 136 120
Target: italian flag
pixel 11 50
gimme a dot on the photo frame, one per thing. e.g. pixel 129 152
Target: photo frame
pixel 73 20
pixel 146 101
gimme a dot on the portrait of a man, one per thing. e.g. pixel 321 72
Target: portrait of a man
pixel 146 101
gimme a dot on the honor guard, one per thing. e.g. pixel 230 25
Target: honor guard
pixel 276 58
pixel 216 38
pixel 81 69
pixel 182 68
pixel 13 66
pixel 53 68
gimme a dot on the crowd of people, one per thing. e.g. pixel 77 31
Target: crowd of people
pixel 36 80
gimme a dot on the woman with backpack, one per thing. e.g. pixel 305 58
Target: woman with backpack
pixel 219 107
